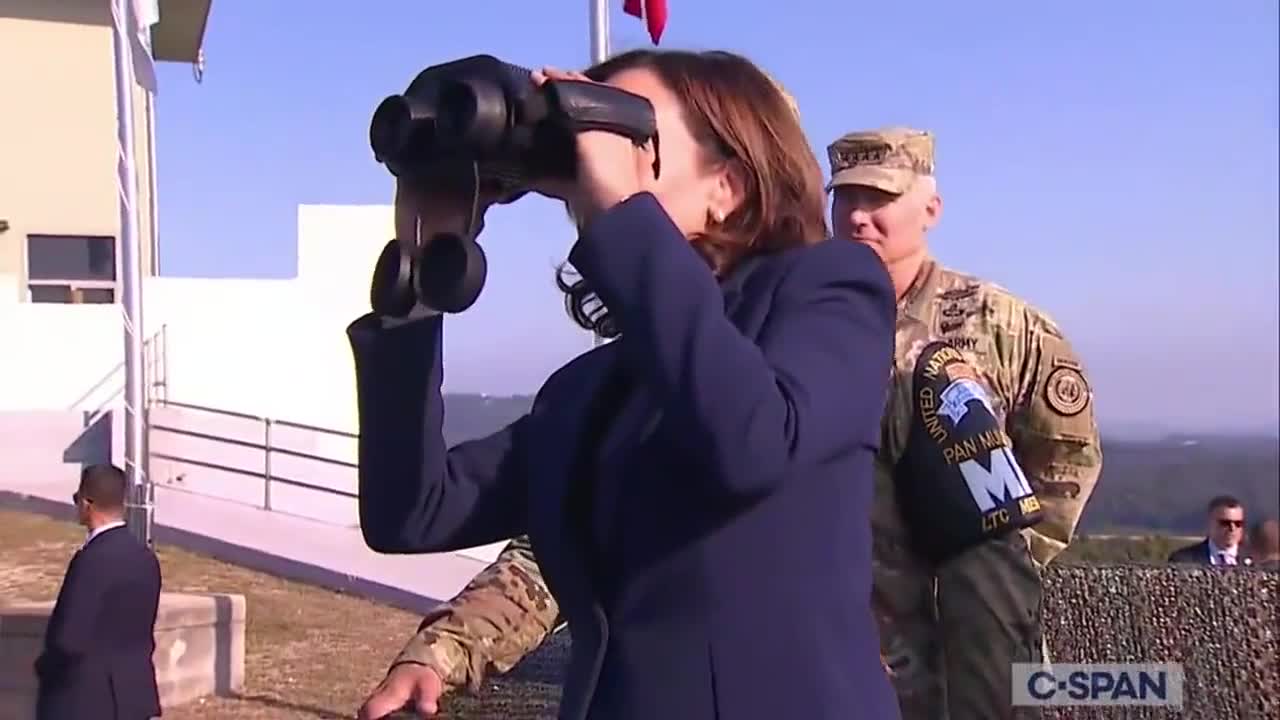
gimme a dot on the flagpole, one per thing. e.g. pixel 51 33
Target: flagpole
pixel 599 31
pixel 138 506
pixel 599 53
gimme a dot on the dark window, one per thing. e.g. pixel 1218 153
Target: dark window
pixel 95 295
pixel 50 293
pixel 71 257
pixel 71 295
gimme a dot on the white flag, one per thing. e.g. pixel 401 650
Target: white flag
pixel 145 14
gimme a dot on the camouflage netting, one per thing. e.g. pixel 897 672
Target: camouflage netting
pixel 1224 627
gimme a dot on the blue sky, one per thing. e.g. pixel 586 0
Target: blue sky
pixel 1114 163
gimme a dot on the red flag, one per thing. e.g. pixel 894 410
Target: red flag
pixel 654 13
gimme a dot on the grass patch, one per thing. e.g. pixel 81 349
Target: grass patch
pixel 309 653
pixel 1141 549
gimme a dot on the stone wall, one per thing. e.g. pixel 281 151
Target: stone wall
pixel 199 649
pixel 1224 627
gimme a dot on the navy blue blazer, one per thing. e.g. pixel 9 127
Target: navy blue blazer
pixel 706 530
pixel 97 659
pixel 1197 553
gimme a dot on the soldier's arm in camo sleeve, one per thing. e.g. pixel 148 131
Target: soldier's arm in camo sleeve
pixel 501 616
pixel 1055 435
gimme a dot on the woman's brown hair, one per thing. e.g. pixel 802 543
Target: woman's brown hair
pixel 736 113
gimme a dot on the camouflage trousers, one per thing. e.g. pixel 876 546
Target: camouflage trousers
pixel 989 617
pixel 951 637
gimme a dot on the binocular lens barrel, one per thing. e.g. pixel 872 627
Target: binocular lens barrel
pixel 481 124
pixel 395 124
pixel 473 113
pixel 465 114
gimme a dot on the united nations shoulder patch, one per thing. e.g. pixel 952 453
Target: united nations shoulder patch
pixel 1066 391
pixel 957 482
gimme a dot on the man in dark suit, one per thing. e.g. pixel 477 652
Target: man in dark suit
pixel 96 663
pixel 1221 545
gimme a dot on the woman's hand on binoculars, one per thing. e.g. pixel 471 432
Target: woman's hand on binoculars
pixel 610 167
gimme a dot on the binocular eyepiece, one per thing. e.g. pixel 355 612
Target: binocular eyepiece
pixel 478 108
pixel 481 124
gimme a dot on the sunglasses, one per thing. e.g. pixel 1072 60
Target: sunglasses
pixel 1231 523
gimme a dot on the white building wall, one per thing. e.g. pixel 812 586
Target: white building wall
pixel 266 347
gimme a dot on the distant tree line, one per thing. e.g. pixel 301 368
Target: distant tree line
pixel 467 417
pixel 1144 549
pixel 1146 486
pixel 1164 485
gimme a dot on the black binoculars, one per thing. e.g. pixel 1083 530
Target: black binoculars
pixel 479 127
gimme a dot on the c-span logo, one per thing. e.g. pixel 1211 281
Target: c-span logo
pixel 1150 684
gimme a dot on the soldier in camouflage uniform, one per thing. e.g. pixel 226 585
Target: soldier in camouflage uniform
pixel 949 632
pixel 501 616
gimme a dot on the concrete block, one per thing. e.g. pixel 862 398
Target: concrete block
pixel 199 649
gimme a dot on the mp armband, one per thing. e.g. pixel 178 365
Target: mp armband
pixel 958 482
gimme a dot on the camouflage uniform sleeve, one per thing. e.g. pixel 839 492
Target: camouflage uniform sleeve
pixel 1055 435
pixel 501 616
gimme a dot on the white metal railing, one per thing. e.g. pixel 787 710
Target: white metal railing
pixel 110 388
pixel 156 359
pixel 267 447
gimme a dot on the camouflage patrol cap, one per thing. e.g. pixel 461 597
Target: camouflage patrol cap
pixel 887 159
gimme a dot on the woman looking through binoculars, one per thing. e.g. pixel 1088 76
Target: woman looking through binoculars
pixel 703 473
